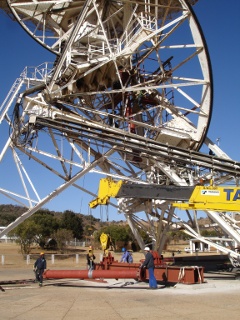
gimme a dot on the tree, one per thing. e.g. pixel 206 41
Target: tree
pixel 89 230
pixel 210 233
pixel 91 218
pixel 117 233
pixel 145 236
pixel 9 213
pixel 46 223
pixel 26 234
pixel 73 222
pixel 36 229
pixel 62 236
pixel 6 218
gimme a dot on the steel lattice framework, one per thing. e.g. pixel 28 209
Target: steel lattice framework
pixel 129 96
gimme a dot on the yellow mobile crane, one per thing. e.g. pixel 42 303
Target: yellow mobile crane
pixel 217 198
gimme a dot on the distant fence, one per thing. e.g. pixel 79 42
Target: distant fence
pixel 13 260
pixel 71 260
pixel 57 260
pixel 76 243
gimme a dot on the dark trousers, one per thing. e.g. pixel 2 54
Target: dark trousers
pixel 39 275
pixel 91 265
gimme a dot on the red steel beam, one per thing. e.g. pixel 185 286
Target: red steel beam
pixel 92 274
pixel 185 275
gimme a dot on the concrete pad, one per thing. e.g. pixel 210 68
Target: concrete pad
pixel 217 298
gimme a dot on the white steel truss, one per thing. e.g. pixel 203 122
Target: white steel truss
pixel 129 96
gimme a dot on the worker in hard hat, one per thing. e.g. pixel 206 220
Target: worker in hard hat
pixel 39 266
pixel 90 259
pixel 125 254
pixel 149 264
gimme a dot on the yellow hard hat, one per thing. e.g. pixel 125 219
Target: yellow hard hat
pixel 42 253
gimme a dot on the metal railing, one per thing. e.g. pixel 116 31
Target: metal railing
pixel 41 73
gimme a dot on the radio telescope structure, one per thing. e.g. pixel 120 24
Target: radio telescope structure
pixel 129 96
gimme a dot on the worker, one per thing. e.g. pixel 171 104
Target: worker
pixel 105 252
pixel 39 266
pixel 125 255
pixel 90 259
pixel 130 257
pixel 149 264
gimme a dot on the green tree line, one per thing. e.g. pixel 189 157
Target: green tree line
pixel 51 230
pixel 48 231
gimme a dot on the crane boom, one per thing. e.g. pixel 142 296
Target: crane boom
pixel 120 189
pixel 216 198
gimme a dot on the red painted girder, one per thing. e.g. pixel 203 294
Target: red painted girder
pixel 94 274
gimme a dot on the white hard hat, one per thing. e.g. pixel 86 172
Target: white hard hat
pixel 146 249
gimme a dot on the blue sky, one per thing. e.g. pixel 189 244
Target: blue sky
pixel 220 22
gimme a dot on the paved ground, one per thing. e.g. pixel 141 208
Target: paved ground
pixel 217 298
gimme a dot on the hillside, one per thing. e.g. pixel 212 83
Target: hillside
pixel 9 213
